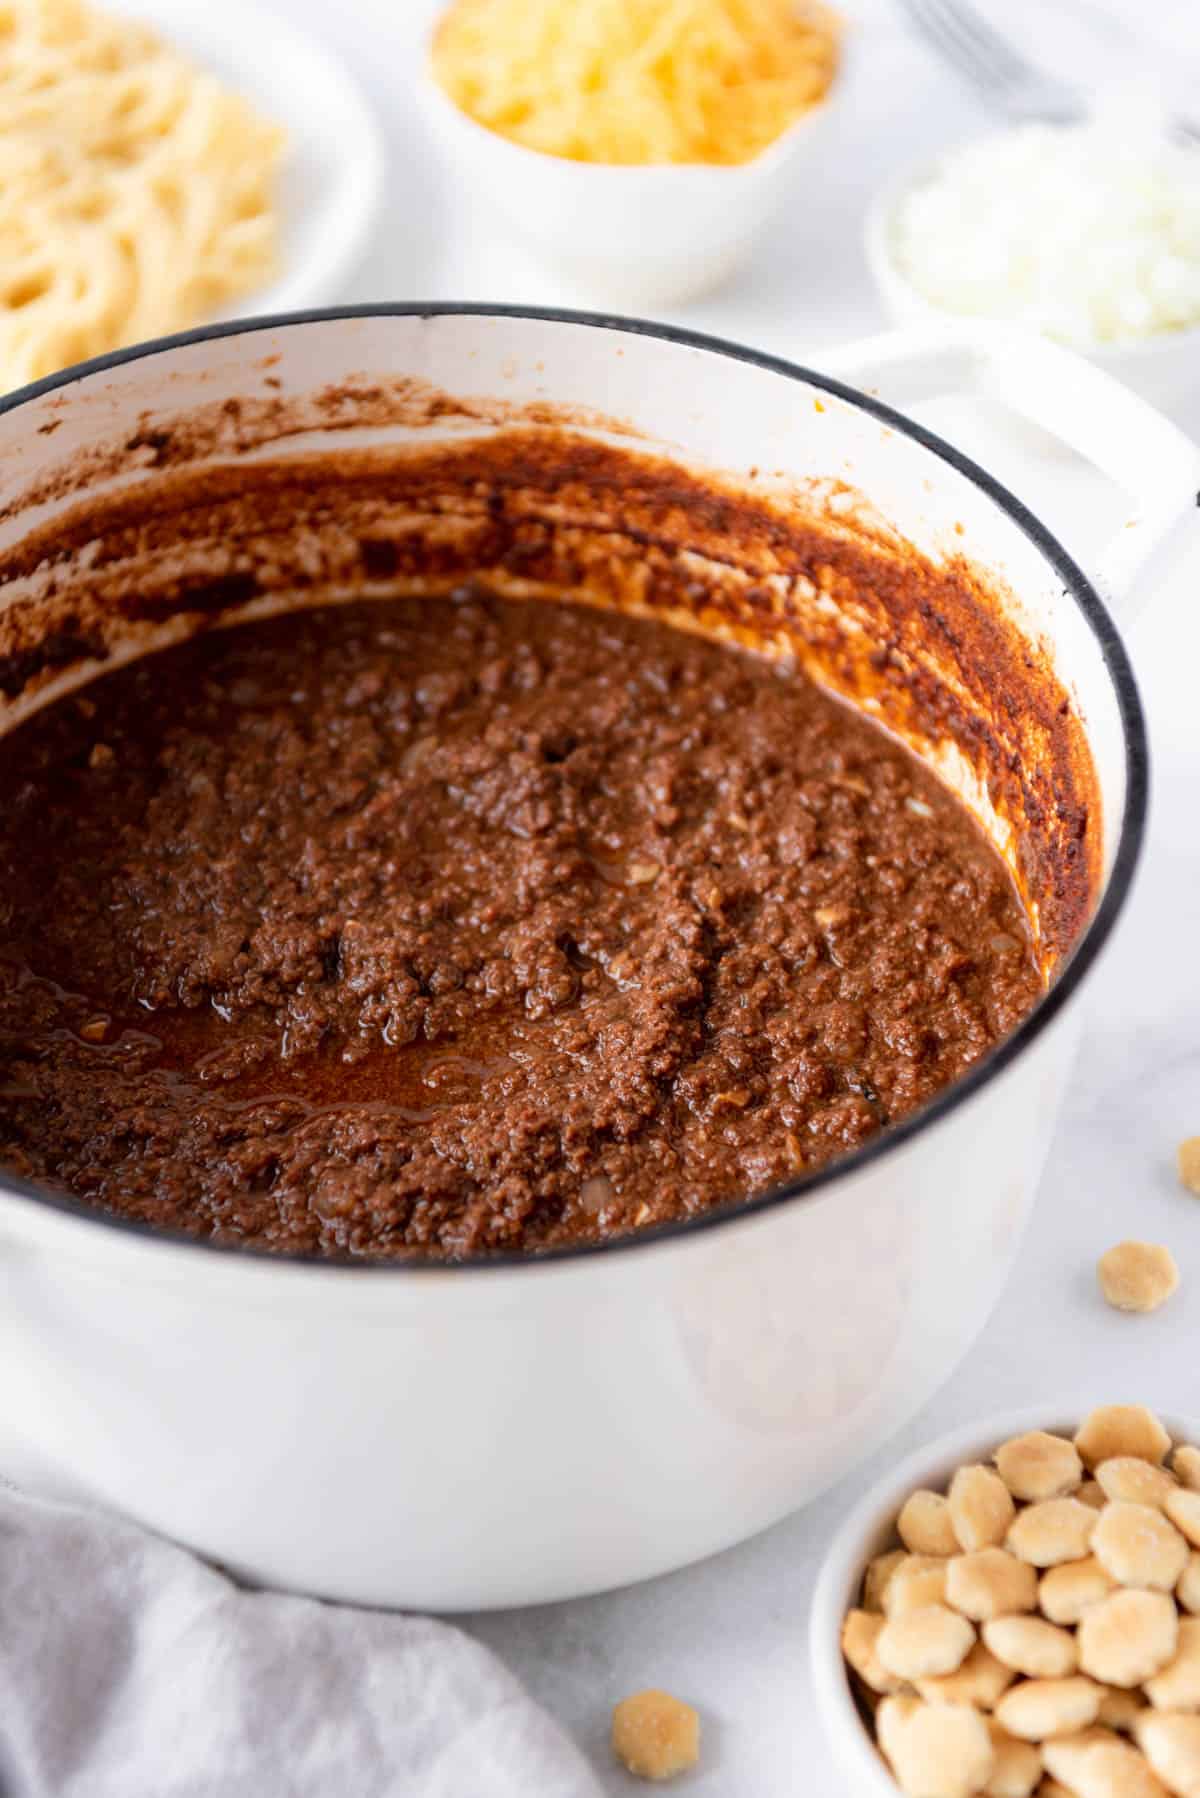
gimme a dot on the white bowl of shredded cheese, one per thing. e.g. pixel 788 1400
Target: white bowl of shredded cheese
pixel 626 213
pixel 1088 233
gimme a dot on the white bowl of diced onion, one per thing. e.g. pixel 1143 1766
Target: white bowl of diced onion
pixel 1082 246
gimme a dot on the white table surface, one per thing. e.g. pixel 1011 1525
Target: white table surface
pixel 729 1634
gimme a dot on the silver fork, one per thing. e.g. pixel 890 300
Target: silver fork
pixel 1004 78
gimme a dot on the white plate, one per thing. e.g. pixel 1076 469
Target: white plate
pixel 331 182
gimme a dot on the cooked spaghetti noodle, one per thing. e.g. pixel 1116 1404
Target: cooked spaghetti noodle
pixel 637 81
pixel 136 191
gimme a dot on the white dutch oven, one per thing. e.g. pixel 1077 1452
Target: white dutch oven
pixel 514 1432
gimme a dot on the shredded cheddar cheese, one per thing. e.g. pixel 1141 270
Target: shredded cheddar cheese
pixel 637 81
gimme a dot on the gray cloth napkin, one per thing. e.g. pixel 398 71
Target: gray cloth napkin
pixel 129 1669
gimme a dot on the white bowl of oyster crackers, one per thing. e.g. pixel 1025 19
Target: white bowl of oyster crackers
pixel 1015 1611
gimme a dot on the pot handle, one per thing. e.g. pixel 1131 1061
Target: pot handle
pixel 1150 458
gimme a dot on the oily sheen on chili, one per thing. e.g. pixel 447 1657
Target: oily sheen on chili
pixel 444 927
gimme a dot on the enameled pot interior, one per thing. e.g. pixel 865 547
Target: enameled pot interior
pixel 150 522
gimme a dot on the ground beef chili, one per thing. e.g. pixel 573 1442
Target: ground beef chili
pixel 450 927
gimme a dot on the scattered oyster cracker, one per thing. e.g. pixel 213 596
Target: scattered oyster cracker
pixel 655 1736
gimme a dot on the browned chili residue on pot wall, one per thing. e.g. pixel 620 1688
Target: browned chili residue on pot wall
pixel 538 512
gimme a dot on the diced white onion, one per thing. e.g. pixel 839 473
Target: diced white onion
pixel 1087 232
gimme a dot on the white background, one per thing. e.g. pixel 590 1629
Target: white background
pixel 730 1634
